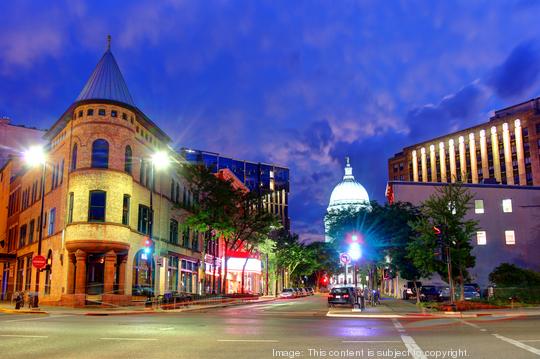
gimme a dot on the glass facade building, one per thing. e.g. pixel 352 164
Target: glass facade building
pixel 268 180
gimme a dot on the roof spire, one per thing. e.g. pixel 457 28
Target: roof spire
pixel 109 42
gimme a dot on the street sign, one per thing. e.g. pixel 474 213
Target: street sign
pixel 344 258
pixel 39 262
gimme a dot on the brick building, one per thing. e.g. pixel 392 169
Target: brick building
pixel 504 150
pixel 97 206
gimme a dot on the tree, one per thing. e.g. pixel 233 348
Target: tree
pixel 445 209
pixel 510 275
pixel 227 211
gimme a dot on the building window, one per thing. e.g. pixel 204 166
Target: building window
pixel 124 116
pixel 28 274
pixel 31 228
pixel 114 113
pixel 478 206
pixel 173 231
pixel 74 158
pixel 142 173
pixel 101 112
pixel 125 209
pixel 481 238
pixel 144 224
pixel 510 237
pixel 128 160
pixel 48 273
pixel 70 208
pixel 52 219
pixel 172 273
pixel 90 112
pixel 20 273
pixel 100 154
pixel 96 206
pixel 22 236
pixel 507 205
pixel 185 237
pixel 80 114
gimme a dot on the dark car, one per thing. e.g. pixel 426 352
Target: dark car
pixel 476 287
pixel 342 296
pixel 429 293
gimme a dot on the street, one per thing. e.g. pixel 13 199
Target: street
pixel 297 328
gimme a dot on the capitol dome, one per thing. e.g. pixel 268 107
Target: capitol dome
pixel 348 192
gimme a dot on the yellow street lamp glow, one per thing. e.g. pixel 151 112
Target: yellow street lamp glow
pixel 160 159
pixel 34 156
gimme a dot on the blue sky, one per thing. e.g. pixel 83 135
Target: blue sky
pixel 299 83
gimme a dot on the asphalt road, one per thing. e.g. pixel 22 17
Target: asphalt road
pixel 295 328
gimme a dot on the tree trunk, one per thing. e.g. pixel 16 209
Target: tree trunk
pixel 417 293
pixel 461 288
pixel 243 275
pixel 224 279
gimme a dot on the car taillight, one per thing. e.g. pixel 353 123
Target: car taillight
pixel 346 296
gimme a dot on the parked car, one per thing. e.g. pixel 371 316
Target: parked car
pixel 476 287
pixel 470 292
pixel 410 292
pixel 342 296
pixel 299 292
pixel 429 293
pixel 310 291
pixel 304 292
pixel 444 293
pixel 287 293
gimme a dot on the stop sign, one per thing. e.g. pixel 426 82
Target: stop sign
pixel 39 262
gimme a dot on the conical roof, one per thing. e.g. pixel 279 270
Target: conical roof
pixel 106 82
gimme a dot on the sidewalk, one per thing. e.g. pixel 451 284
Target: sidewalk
pixel 397 308
pixel 8 308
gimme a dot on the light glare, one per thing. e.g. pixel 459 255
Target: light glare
pixel 34 156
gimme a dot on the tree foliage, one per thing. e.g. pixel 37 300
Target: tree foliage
pixel 510 275
pixel 446 209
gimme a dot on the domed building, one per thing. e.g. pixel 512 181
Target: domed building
pixel 348 193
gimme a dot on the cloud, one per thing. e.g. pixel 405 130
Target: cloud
pixel 457 109
pixel 518 73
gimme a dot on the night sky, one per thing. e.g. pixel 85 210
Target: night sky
pixel 302 84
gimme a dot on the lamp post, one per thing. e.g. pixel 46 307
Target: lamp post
pixel 355 253
pixel 160 160
pixel 35 156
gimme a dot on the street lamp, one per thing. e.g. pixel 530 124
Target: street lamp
pixel 355 252
pixel 159 160
pixel 35 156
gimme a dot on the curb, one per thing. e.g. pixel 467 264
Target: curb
pixel 105 314
pixel 455 315
pixel 21 311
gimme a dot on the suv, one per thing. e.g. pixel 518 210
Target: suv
pixel 429 293
pixel 342 296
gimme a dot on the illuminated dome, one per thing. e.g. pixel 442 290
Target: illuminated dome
pixel 348 192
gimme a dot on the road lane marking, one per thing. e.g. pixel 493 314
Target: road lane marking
pixel 414 350
pixel 470 324
pixel 398 325
pixel 23 336
pixel 518 344
pixel 171 328
pixel 249 340
pixel 371 341
pixel 132 339
pixel 530 340
pixel 38 318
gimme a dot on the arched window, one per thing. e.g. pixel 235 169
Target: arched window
pixel 143 274
pixel 74 158
pixel 128 161
pixel 100 154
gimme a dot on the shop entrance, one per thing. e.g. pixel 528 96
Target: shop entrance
pixel 95 270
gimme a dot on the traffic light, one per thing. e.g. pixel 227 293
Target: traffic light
pixel 148 246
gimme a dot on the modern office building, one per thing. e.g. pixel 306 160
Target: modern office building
pixel 508 217
pixel 268 180
pixel 104 196
pixel 504 150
